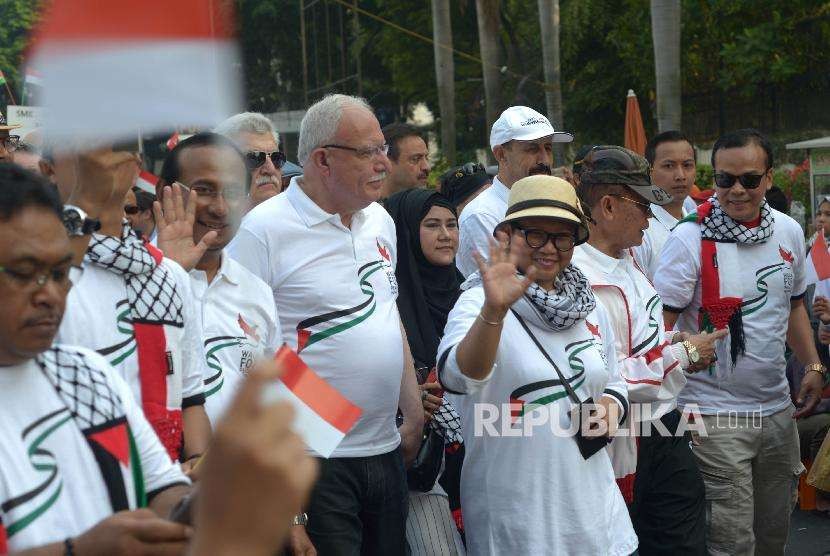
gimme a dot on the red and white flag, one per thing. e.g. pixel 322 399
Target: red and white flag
pixel 110 68
pixel 322 415
pixel 172 141
pixel 818 261
pixel 146 182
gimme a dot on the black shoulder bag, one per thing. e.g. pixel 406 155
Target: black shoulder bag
pixel 588 445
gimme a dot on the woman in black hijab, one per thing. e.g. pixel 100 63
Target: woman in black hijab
pixel 428 286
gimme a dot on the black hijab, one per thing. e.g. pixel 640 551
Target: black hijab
pixel 426 292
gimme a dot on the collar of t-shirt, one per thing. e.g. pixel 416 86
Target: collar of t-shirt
pixel 754 223
pixel 501 191
pixel 662 216
pixel 609 265
pixel 310 212
pixel 227 271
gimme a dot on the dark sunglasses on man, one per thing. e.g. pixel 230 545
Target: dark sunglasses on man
pixel 132 209
pixel 255 159
pixel 748 181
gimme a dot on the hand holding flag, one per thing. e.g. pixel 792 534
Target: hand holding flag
pixel 818 261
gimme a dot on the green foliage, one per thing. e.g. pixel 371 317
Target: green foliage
pixel 704 176
pixel 16 18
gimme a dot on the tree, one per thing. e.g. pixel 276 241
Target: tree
pixel 549 26
pixel 665 32
pixel 17 16
pixel 489 27
pixel 444 74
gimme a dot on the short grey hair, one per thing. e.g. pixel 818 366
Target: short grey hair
pixel 246 122
pixel 320 122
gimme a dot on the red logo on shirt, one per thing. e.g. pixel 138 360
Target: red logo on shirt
pixel 787 256
pixel 593 329
pixel 383 251
pixel 249 330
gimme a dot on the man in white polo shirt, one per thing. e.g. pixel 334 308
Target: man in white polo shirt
pixel 522 141
pixel 738 264
pixel 239 319
pixel 672 159
pixel 327 251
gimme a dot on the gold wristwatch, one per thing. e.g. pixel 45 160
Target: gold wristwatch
pixel 817 367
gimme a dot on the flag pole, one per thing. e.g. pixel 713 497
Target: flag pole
pixel 11 95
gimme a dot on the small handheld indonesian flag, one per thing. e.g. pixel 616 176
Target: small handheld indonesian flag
pixel 818 261
pixel 146 182
pixel 110 68
pixel 323 416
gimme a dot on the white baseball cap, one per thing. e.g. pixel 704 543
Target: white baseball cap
pixel 521 123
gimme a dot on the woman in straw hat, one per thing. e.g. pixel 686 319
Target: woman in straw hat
pixel 526 351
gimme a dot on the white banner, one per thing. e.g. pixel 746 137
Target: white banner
pixel 31 117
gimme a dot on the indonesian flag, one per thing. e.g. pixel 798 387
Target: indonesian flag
pixel 818 263
pixel 111 68
pixel 322 415
pixel 146 182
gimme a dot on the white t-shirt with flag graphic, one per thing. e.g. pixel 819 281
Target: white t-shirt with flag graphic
pixel 98 317
pixel 51 486
pixel 240 326
pixel 647 254
pixel 535 493
pixel 335 290
pixel 771 275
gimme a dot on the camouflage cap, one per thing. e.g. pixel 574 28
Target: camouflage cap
pixel 612 164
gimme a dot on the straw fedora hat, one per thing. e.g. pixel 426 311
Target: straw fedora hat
pixel 541 196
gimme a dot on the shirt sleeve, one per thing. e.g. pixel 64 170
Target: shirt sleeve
pixel 678 270
pixel 459 322
pixel 159 471
pixel 800 266
pixel 252 252
pixel 474 236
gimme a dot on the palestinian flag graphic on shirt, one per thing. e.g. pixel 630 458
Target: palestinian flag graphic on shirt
pixel 320 327
pixel 653 336
pixel 249 342
pixel 536 394
pixel 754 304
pixel 91 405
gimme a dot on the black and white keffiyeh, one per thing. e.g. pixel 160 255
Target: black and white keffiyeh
pixel 151 291
pixel 719 226
pixel 570 300
pixel 447 423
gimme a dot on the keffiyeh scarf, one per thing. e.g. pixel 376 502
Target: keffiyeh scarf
pixel 154 302
pixel 721 287
pixel 570 300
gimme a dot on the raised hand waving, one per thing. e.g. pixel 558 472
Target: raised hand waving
pixel 502 285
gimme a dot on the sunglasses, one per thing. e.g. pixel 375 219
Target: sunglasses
pixel 537 239
pixel 255 159
pixel 645 207
pixel 748 181
pixel 131 209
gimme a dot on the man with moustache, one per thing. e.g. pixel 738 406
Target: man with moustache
pixel 256 137
pixel 672 159
pixel 327 251
pixel 408 158
pixel 522 141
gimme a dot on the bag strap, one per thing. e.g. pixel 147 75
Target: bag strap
pixel 567 385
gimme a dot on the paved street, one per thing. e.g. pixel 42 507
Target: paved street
pixel 809 535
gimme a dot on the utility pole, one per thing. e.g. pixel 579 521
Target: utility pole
pixel 549 26
pixel 444 74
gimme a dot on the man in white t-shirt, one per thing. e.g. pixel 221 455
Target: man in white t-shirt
pixel 76 447
pixel 135 307
pixel 239 319
pixel 672 159
pixel 327 252
pixel 739 264
pixel 522 141
pixel 656 472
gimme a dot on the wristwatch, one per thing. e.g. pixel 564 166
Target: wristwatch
pixel 77 223
pixel 691 351
pixel 817 367
pixel 301 519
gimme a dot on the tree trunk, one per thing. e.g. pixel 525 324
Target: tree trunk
pixel 549 25
pixel 489 25
pixel 444 75
pixel 665 33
